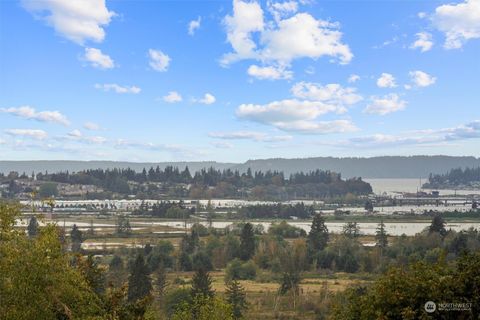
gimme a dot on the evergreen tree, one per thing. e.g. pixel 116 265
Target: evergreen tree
pixel 317 237
pixel 236 297
pixel 381 236
pixel 33 227
pixel 247 242
pixel 123 226
pixel 438 225
pixel 161 280
pixel 139 285
pixel 77 238
pixel 202 284
pixel 351 230
pixel 93 274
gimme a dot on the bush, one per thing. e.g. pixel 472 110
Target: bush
pixel 175 298
pixel 284 230
pixel 239 270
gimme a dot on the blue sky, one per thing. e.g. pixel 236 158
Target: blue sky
pixel 232 81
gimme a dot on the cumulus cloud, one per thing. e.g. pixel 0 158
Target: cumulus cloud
pixel 386 80
pixel 304 36
pixel 194 25
pixel 423 42
pixel 459 22
pixel 269 72
pixel 29 133
pixel 385 105
pixel 248 135
pixel 284 111
pixel 159 61
pixel 92 126
pixel 172 97
pixel 97 59
pixel 353 78
pixel 332 93
pixel 117 88
pixel 282 9
pixel 222 145
pixel 301 113
pixel 208 98
pixel 279 42
pixel 247 18
pixel 294 115
pixel 421 79
pixel 28 112
pixel 76 20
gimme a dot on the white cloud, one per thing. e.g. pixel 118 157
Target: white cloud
pixel 284 111
pixel 28 112
pixel 424 42
pixel 270 72
pixel 77 135
pixel 310 70
pixel 172 97
pixel 386 80
pixel 97 59
pixel 294 115
pixel 247 18
pixel 304 36
pixel 282 9
pixel 441 136
pixel 194 25
pixel 95 139
pixel 422 79
pixel 159 61
pixel 91 126
pixel 386 104
pixel 30 133
pixel 459 22
pixel 353 78
pixel 301 113
pixel 248 135
pixel 181 151
pixel 283 40
pixel 222 145
pixel 117 88
pixel 332 93
pixel 208 98
pixel 76 20
pixel 318 127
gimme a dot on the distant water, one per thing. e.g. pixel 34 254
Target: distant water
pixel 390 186
pixel 395 185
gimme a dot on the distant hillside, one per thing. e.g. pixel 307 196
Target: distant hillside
pixel 53 166
pixel 375 167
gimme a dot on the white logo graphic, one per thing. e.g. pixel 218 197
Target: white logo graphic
pixel 430 306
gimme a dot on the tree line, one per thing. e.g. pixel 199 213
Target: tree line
pixel 213 183
pixel 454 178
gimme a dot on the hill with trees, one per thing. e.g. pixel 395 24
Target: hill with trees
pixel 455 178
pixel 374 167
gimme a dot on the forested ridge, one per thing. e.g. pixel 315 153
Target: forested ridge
pixel 215 183
pixel 458 177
